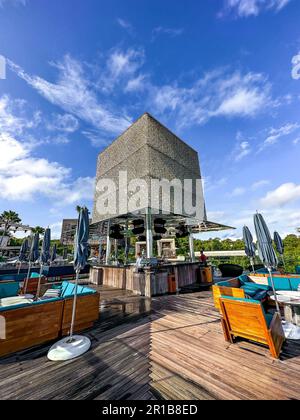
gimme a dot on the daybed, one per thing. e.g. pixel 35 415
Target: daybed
pixel 32 323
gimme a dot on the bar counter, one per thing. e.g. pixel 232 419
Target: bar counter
pixel 152 282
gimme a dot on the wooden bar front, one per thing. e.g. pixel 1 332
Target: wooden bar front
pixel 152 282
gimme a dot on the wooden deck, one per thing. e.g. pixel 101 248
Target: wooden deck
pixel 170 348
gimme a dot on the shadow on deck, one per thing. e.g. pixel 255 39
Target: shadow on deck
pixel 171 347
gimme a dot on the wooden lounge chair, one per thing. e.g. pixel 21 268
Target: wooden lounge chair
pixel 246 318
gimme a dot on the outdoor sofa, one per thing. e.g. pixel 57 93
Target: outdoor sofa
pixel 244 287
pixel 36 322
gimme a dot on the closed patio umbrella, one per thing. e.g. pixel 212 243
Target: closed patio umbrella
pixel 265 249
pixel 75 345
pixel 33 256
pixel 44 256
pixel 53 253
pixel 65 253
pixel 22 256
pixel 249 245
pixel 279 246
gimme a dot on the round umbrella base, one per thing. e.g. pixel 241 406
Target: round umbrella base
pixel 66 350
pixel 291 331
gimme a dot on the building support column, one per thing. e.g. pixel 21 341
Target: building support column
pixel 108 245
pixel 149 234
pixel 191 244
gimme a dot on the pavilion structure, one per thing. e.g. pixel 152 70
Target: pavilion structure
pixel 148 151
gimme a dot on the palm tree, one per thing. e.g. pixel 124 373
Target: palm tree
pixel 7 220
pixel 38 229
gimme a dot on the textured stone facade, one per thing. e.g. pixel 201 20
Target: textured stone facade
pixel 147 150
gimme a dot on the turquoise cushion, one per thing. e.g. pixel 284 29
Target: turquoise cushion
pixel 280 283
pixel 295 283
pixel 269 318
pixel 34 275
pixel 249 292
pixel 244 278
pixel 256 286
pixel 68 289
pixel 9 290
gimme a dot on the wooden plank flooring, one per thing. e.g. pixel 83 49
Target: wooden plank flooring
pixel 171 348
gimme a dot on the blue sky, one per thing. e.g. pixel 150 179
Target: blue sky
pixel 223 74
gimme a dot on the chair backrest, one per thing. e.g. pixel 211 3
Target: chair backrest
pixel 244 317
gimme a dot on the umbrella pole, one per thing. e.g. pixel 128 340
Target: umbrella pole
pixel 20 265
pixel 283 263
pixel 26 280
pixel 252 264
pixel 39 283
pixel 74 308
pixel 274 291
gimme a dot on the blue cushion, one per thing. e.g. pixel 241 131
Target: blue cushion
pixel 295 283
pixel 249 292
pixel 269 319
pixel 256 286
pixel 260 295
pixel 34 275
pixel 280 283
pixel 9 289
pixel 68 289
pixel 298 269
pixel 243 278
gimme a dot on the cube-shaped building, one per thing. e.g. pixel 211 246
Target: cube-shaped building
pixel 148 151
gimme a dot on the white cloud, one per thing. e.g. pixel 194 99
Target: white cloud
pixel 121 69
pixel 56 230
pixel 296 141
pixel 246 8
pixel 281 196
pixel 23 176
pixel 275 134
pixel 12 116
pixel 125 25
pixel 218 94
pixel 237 192
pixel 74 93
pixel 172 32
pixel 136 84
pixel 259 184
pixel 65 123
pixel 241 149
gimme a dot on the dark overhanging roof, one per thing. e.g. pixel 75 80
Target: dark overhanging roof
pixel 172 220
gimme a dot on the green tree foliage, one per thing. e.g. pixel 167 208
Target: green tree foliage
pixel 291 254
